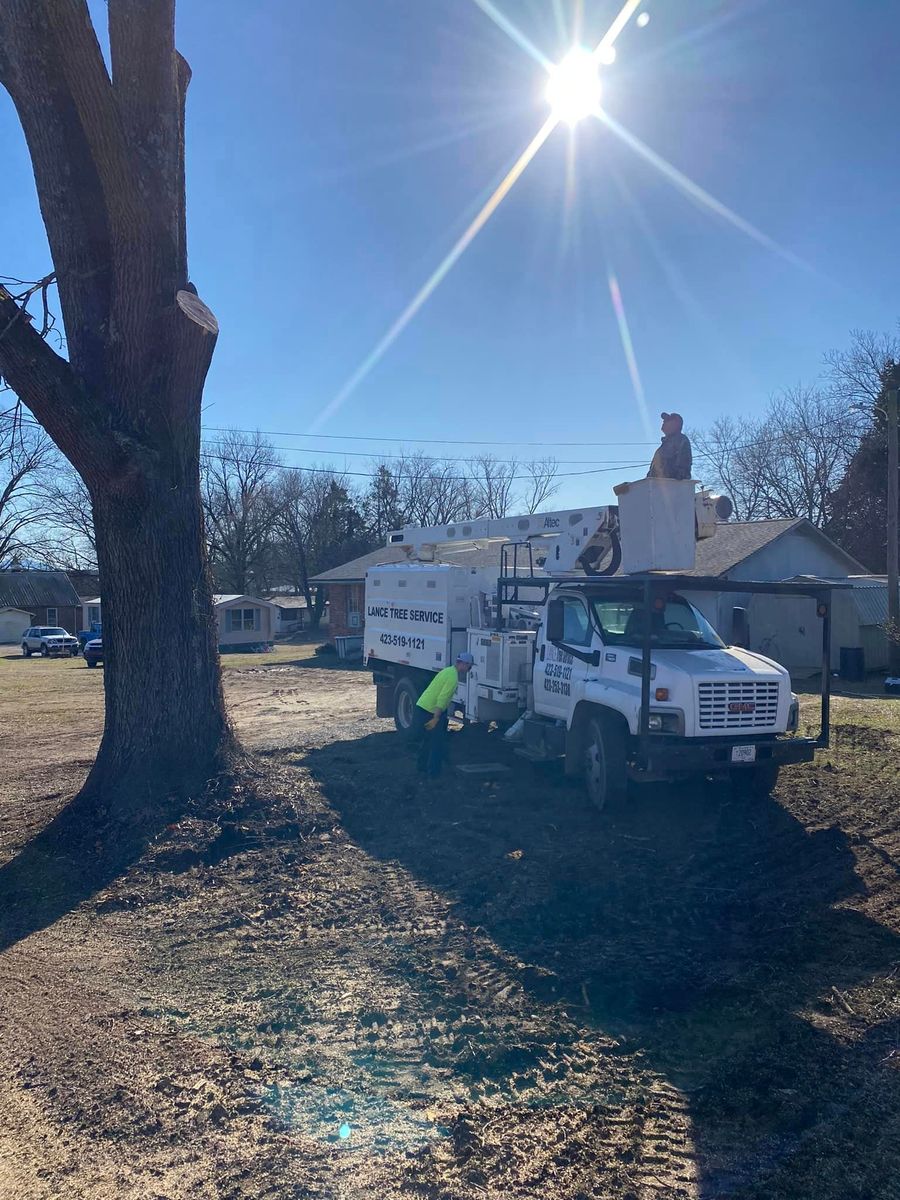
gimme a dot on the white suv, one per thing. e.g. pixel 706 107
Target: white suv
pixel 48 640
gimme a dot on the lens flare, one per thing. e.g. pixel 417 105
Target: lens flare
pixel 573 89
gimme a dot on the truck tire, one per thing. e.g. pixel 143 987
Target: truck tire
pixel 26 650
pixel 45 653
pixel 91 662
pixel 604 761
pixel 755 781
pixel 405 696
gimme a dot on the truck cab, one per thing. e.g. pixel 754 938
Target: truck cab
pixel 722 707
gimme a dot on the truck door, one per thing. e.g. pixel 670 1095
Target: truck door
pixel 559 676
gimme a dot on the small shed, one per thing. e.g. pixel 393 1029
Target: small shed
pixel 245 621
pixel 870 596
pixel 13 623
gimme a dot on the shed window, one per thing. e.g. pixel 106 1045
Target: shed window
pixel 52 616
pixel 240 619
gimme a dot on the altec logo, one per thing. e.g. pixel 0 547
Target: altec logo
pixel 741 706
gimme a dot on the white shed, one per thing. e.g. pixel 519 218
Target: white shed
pixel 245 621
pixel 13 623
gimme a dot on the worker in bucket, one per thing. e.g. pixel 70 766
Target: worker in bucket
pixel 673 459
pixel 430 722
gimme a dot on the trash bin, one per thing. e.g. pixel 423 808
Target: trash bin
pixel 853 662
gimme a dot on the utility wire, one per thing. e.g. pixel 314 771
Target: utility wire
pixel 371 475
pixel 374 455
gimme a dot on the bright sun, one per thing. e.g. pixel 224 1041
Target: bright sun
pixel 573 89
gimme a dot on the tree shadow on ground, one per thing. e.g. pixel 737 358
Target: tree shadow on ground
pixel 54 873
pixel 716 936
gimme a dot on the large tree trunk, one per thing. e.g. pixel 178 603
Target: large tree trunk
pixel 108 158
pixel 165 729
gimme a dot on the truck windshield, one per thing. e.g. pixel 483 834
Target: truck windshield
pixel 677 625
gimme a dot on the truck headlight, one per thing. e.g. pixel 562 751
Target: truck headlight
pixel 794 714
pixel 668 721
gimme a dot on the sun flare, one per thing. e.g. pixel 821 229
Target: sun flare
pixel 573 89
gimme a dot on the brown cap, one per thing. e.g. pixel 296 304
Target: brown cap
pixel 673 417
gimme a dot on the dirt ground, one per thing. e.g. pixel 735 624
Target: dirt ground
pixel 476 989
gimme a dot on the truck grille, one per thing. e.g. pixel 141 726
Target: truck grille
pixel 732 705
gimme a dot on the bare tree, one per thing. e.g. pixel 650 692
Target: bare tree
pixel 67 537
pixel 859 505
pixel 27 458
pixel 107 148
pixel 541 483
pixel 321 524
pixel 239 478
pixel 859 375
pixel 785 464
pixel 432 491
pixel 493 485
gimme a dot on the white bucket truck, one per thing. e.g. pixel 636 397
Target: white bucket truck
pixel 617 675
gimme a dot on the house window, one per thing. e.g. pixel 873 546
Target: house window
pixel 354 609
pixel 93 613
pixel 240 619
pixel 52 616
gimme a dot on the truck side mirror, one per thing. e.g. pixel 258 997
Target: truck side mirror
pixel 555 621
pixel 740 628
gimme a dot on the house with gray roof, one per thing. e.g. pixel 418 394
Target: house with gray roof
pixel 46 596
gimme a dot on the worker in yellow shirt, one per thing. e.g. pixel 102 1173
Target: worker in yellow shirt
pixel 430 723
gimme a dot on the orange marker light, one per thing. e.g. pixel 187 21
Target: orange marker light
pixel 662 693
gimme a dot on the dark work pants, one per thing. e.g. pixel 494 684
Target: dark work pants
pixel 432 742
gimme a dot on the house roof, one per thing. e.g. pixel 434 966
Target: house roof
pixel 30 590
pixel 870 596
pixel 11 608
pixel 734 543
pixel 217 600
pixel 85 583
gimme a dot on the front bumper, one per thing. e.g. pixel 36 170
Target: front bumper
pixel 62 651
pixel 708 756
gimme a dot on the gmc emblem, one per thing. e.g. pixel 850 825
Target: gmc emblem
pixel 741 706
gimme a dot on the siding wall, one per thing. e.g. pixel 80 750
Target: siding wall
pixel 245 637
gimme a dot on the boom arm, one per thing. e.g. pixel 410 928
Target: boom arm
pixel 569 533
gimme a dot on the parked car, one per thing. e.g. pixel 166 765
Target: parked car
pixel 93 652
pixel 48 641
pixel 88 635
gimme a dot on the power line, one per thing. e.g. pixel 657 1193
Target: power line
pixel 371 475
pixel 377 456
pixel 352 437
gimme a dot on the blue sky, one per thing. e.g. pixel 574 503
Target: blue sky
pixel 337 150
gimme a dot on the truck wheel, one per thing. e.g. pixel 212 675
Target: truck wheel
pixel 91 662
pixel 45 653
pixel 405 696
pixel 604 762
pixel 755 781
pixel 26 651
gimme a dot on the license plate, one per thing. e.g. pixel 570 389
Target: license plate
pixel 743 754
